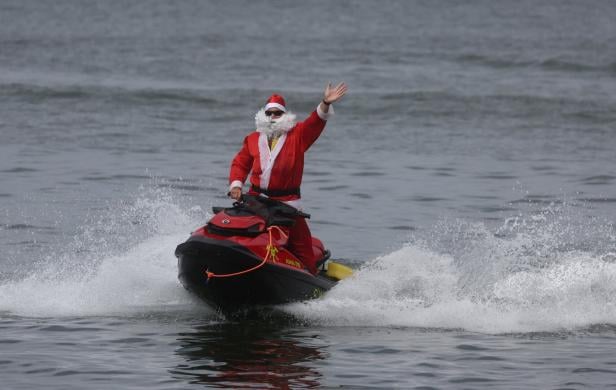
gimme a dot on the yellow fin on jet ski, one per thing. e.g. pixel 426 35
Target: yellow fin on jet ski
pixel 338 271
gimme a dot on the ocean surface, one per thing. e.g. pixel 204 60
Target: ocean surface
pixel 469 176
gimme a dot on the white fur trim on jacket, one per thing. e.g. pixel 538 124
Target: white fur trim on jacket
pixel 267 158
pixel 235 183
pixel 325 115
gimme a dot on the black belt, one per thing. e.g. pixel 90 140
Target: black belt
pixel 292 191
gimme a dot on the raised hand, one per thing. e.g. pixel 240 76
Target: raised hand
pixel 333 94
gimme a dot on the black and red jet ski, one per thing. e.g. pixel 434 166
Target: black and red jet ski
pixel 240 257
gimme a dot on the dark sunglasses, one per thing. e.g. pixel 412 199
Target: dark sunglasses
pixel 275 113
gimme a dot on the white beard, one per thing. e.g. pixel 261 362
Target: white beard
pixel 274 127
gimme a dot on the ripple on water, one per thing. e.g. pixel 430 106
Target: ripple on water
pixel 491 209
pixel 420 198
pixel 115 177
pixel 598 180
pixel 402 227
pixel 9 341
pixel 470 347
pixel 367 173
pixel 597 200
pixel 497 176
pixel 537 200
pixel 333 188
pixel 316 173
pixel 19 228
pixel 187 187
pixel 19 170
pixel 361 195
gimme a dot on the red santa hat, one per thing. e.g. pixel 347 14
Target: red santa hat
pixel 276 101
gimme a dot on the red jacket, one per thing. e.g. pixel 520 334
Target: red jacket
pixel 282 168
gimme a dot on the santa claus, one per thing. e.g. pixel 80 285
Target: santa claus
pixel 273 155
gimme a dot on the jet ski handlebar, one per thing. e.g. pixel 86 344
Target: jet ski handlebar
pixel 249 201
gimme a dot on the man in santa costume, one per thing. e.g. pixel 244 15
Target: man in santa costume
pixel 273 155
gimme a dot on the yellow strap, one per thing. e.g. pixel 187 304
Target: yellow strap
pixel 271 251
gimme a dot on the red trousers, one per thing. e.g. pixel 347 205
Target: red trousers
pixel 300 244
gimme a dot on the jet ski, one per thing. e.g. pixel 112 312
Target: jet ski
pixel 240 258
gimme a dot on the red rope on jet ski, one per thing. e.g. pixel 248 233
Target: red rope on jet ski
pixel 269 250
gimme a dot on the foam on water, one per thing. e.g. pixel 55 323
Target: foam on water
pixel 545 271
pixel 524 278
pixel 104 271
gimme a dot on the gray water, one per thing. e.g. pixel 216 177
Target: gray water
pixel 469 176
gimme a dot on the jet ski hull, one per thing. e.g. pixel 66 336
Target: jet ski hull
pixel 271 283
